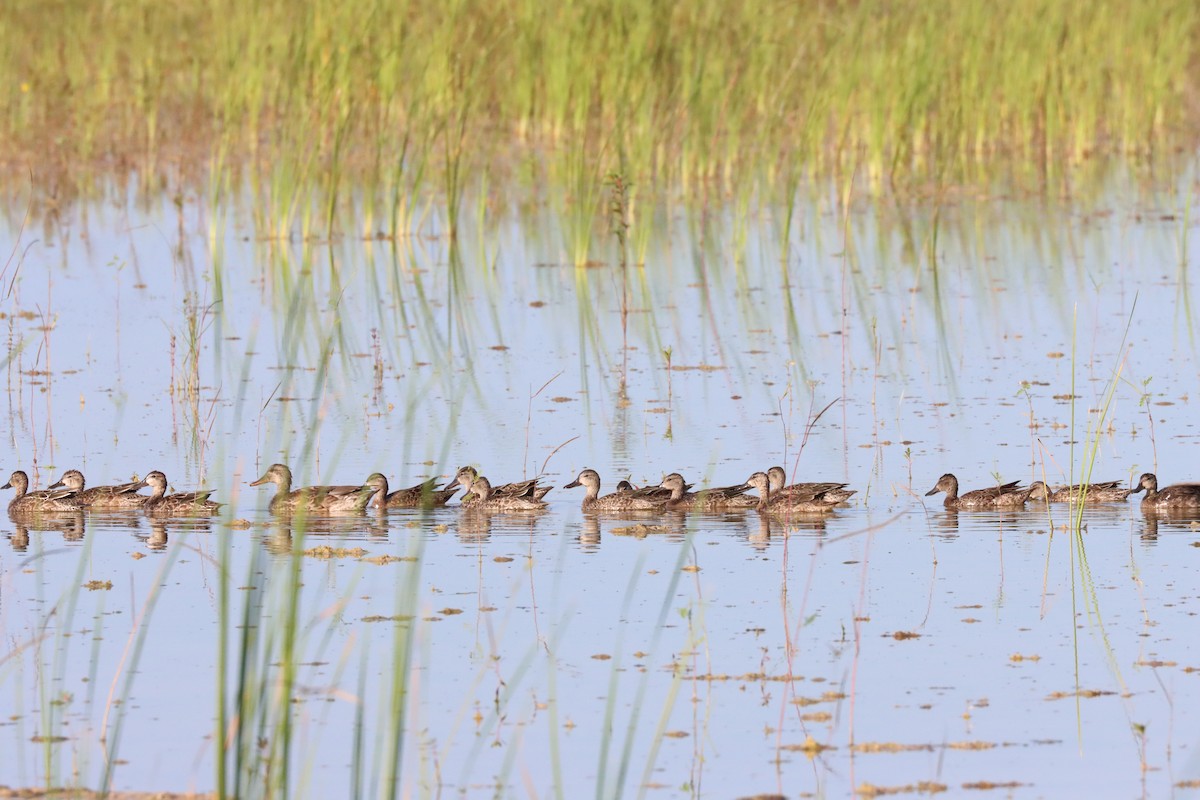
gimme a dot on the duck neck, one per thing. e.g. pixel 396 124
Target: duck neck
pixel 677 493
pixel 283 489
pixel 764 496
pixel 593 491
pixel 379 496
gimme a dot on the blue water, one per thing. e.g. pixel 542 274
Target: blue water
pixel 556 649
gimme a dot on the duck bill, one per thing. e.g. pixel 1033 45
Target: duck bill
pixel 573 484
pixel 931 492
pixel 260 481
pixel 55 485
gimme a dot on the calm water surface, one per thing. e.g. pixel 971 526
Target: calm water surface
pixel 889 644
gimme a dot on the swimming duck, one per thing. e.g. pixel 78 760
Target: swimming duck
pixel 651 492
pixel 466 476
pixel 1008 495
pixel 1179 495
pixel 180 504
pixel 778 478
pixel 487 500
pixel 121 496
pixel 797 502
pixel 44 500
pixel 318 499
pixel 423 495
pixel 715 499
pixel 617 501
pixel 1098 492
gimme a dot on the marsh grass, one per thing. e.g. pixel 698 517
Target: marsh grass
pixel 619 219
pixel 696 96
pixel 1083 582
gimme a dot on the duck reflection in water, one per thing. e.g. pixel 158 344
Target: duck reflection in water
pixel 771 526
pixel 69 523
pixel 589 534
pixel 1167 521
pixel 477 524
pixel 947 524
pixel 19 539
pixel 162 528
pixel 335 531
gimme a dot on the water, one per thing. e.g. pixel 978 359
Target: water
pixel 707 655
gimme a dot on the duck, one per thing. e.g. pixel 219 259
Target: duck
pixel 121 496
pixel 716 499
pixel 423 495
pixel 1097 492
pixel 797 502
pixel 466 477
pixel 310 499
pixel 631 500
pixel 180 504
pixel 44 500
pixel 778 478
pixel 1176 496
pixel 487 500
pixel 652 492
pixel 1007 495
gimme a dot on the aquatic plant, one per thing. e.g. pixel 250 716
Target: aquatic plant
pixel 696 96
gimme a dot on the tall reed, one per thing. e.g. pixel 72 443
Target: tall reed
pixel 699 95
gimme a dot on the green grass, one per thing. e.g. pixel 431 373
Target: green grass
pixel 315 96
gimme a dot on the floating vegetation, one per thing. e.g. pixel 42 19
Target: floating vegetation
pixel 639 530
pixel 386 559
pixel 327 551
pixel 900 747
pixel 1085 693
pixel 921 787
pixel 809 746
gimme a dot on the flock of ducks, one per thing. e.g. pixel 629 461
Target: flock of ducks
pixel 673 493
pixel 775 495
pixel 1180 496
pixel 69 494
